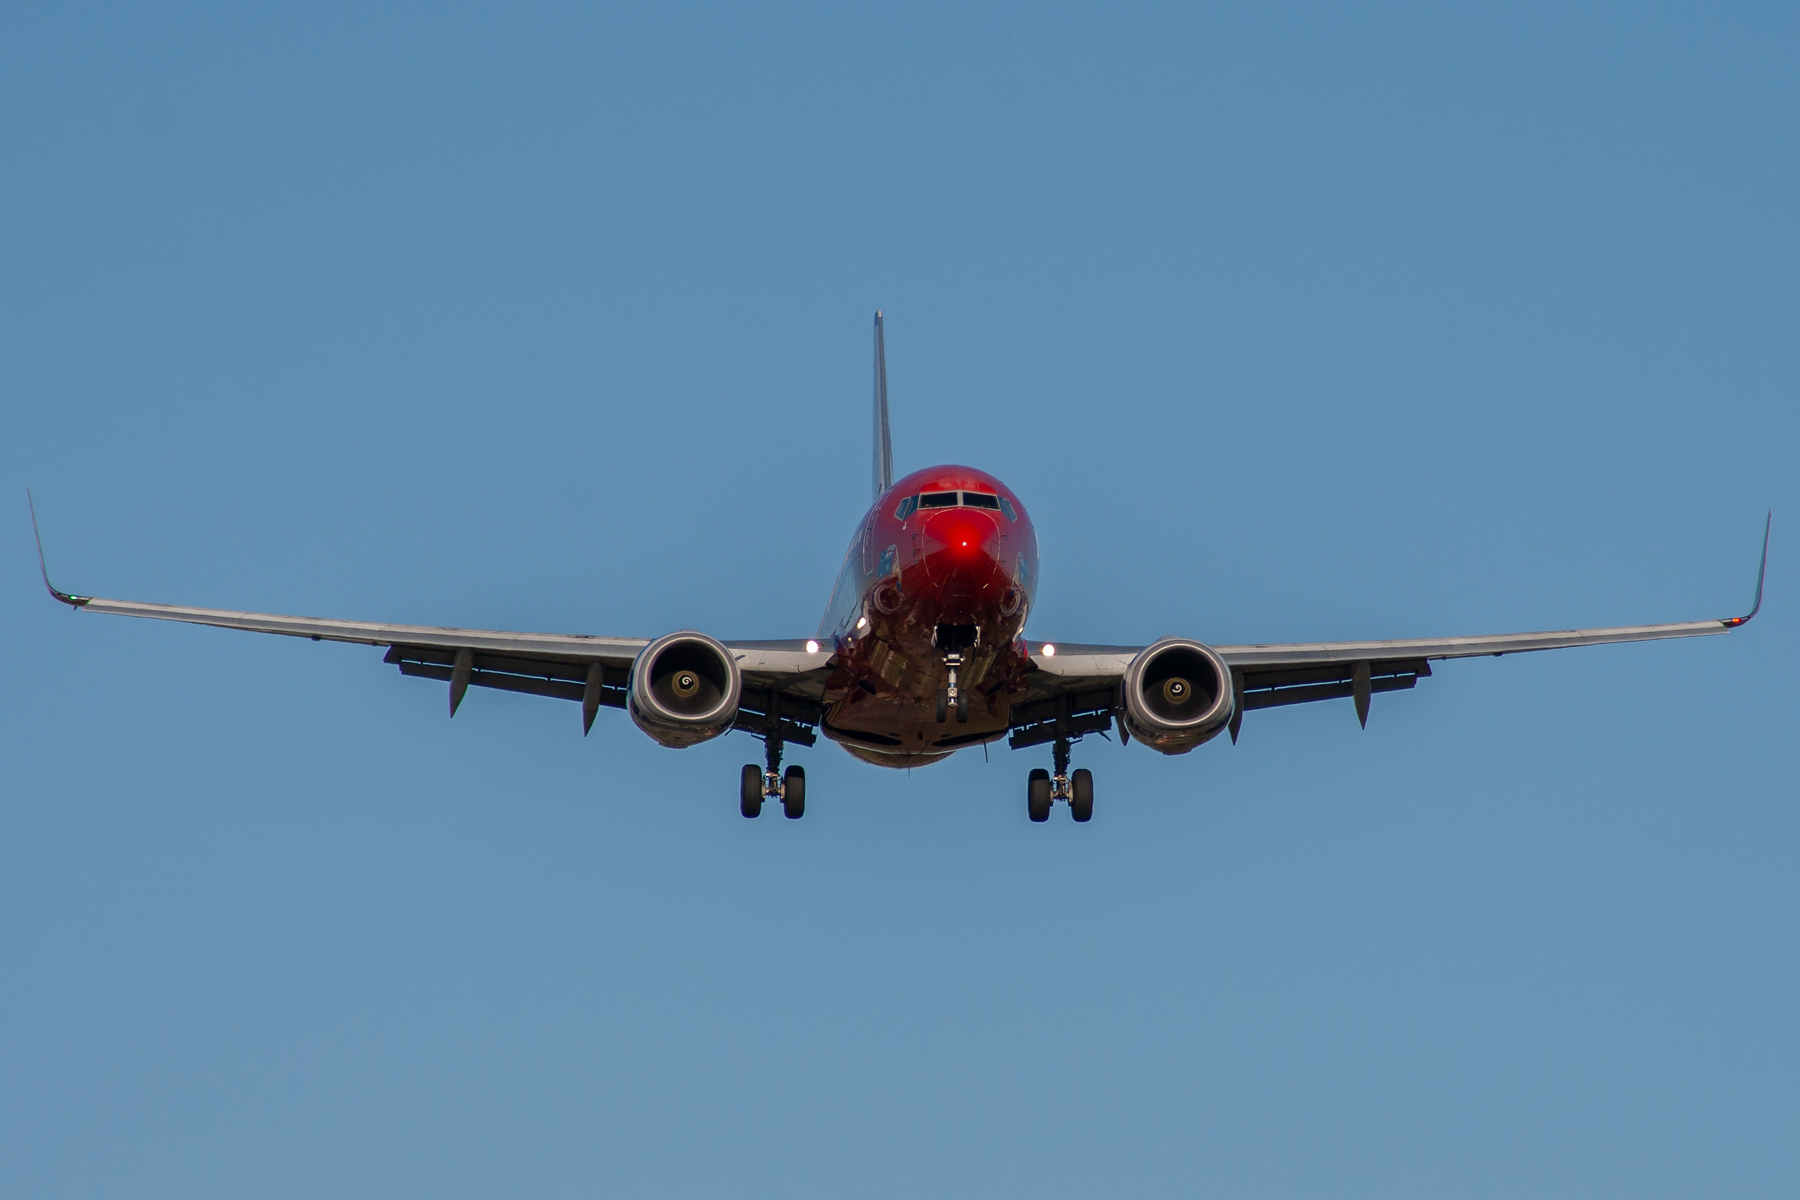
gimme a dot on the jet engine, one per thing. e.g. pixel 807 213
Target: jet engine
pixel 1178 694
pixel 684 689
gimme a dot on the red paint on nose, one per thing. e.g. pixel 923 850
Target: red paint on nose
pixel 962 536
pixel 961 549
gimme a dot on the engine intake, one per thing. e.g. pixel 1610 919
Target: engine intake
pixel 684 689
pixel 1178 694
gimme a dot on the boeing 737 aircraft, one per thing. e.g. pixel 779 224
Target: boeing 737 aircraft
pixel 921 653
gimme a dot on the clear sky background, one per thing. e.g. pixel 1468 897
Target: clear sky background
pixel 1297 325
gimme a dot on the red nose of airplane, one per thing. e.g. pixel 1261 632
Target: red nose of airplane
pixel 961 542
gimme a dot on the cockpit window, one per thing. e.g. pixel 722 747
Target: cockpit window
pixel 985 500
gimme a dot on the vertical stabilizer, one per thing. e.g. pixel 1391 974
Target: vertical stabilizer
pixel 884 449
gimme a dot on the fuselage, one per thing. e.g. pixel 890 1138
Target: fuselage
pixel 945 563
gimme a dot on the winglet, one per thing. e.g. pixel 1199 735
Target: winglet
pixel 1756 607
pixel 71 601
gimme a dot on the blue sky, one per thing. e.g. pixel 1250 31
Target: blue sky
pixel 1287 323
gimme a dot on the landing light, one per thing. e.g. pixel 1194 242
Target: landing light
pixel 862 622
pixel 1049 650
pixel 812 647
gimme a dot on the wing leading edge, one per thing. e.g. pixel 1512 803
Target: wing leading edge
pixel 590 669
pixel 1079 683
pixel 782 680
pixel 1074 689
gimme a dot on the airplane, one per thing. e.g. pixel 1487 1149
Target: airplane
pixel 921 652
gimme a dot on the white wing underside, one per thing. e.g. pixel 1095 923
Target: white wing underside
pixel 557 664
pixel 1112 660
pixel 761 658
pixel 774 658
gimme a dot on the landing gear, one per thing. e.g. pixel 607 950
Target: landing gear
pixel 953 695
pixel 750 792
pixel 793 794
pixel 1081 795
pixel 767 783
pixel 953 640
pixel 1043 789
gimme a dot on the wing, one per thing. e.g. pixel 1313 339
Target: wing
pixel 780 678
pixel 783 683
pixel 1076 688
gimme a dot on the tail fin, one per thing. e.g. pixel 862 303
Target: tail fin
pixel 884 448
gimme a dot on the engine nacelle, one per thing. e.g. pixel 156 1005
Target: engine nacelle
pixel 684 689
pixel 1178 694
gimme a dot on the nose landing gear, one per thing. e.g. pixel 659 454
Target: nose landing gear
pixel 952 696
pixel 1043 789
pixel 953 640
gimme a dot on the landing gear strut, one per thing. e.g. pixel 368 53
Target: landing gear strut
pixel 1043 789
pixel 952 696
pixel 953 640
pixel 768 783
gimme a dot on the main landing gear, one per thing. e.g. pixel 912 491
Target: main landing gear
pixel 1043 789
pixel 758 784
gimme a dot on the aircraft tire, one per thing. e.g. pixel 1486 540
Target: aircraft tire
pixel 793 794
pixel 1037 794
pixel 750 794
pixel 962 705
pixel 943 704
pixel 1081 795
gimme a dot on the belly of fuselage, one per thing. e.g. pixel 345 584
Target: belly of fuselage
pixel 897 667
pixel 903 731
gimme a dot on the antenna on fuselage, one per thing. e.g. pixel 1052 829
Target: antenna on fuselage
pixel 884 447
